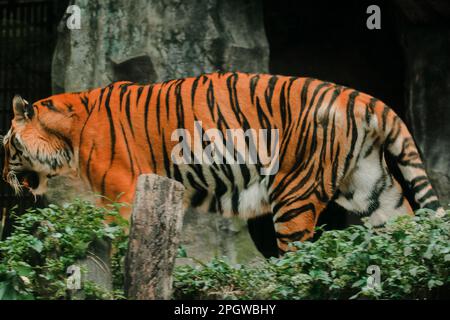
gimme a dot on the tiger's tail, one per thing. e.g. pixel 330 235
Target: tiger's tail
pixel 399 142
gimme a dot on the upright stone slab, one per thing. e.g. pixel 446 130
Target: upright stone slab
pixel 156 224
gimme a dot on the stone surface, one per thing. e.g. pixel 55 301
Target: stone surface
pixel 97 265
pixel 427 53
pixel 157 40
pixel 425 36
pixel 208 235
pixel 154 237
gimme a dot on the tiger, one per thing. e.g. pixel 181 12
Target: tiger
pixel 331 141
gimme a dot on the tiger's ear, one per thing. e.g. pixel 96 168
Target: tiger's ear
pixel 22 109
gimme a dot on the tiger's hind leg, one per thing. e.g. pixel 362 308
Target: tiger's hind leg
pixel 295 218
pixel 371 191
pixel 262 232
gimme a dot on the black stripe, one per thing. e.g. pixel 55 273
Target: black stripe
pixel 268 94
pixel 177 174
pixel 419 187
pixel 418 180
pixel 167 100
pixel 294 236
pixel 234 101
pixel 158 106
pixel 235 201
pixel 400 201
pixel 127 111
pixel 350 114
pixel 166 158
pixel 430 193
pixel 253 83
pixel 179 105
pixel 210 99
pixel 128 150
pixel 112 131
pixel 219 191
pixel 293 213
pixel 49 105
pixel 88 165
pixel 200 194
pixel 147 136
pixel 139 92
pixel 433 205
pixel 85 103
pixel 112 137
pixel 194 90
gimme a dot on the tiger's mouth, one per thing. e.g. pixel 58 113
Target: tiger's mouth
pixel 35 182
pixel 28 179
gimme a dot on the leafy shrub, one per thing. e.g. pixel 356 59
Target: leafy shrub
pixel 412 253
pixel 45 242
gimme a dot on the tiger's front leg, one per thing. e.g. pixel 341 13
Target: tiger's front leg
pixel 121 191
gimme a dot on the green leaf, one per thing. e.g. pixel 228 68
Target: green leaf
pixel 37 245
pixel 359 283
pixel 434 283
pixel 24 269
pixel 3 288
pixel 182 252
pixel 7 291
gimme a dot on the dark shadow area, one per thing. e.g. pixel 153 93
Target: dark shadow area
pixel 330 41
pixel 138 69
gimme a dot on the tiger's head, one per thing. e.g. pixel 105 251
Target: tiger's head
pixel 37 146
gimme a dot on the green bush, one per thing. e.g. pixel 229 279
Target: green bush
pixel 412 253
pixel 45 242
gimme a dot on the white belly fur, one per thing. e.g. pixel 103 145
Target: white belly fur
pixel 253 201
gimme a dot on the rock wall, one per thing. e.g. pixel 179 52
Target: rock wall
pixel 425 37
pixel 157 40
pixel 428 95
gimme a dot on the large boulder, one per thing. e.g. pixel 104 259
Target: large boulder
pixel 158 40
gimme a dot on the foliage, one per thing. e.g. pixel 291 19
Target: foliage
pixel 45 242
pixel 412 253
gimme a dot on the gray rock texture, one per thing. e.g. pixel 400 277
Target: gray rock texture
pixel 425 37
pixel 157 40
pixel 428 94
